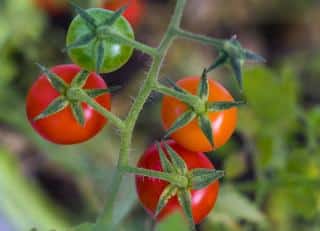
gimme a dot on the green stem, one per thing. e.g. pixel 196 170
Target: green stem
pixel 173 27
pixel 178 180
pixel 187 98
pixel 130 42
pixel 217 43
pixel 105 220
pixel 82 96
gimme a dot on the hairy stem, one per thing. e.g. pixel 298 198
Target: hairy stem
pixel 82 96
pixel 131 42
pixel 173 179
pixel 105 220
pixel 187 98
pixel 217 43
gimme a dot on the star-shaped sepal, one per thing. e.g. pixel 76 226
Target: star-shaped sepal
pixel 201 110
pixel 231 52
pixel 96 33
pixel 193 179
pixel 67 96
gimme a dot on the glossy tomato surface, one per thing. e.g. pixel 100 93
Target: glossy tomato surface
pixel 149 189
pixel 191 137
pixel 52 7
pixel 115 54
pixel 62 127
pixel 133 13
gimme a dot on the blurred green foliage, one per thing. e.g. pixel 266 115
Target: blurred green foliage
pixel 22 202
pixel 272 163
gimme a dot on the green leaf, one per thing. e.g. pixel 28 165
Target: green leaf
pixel 250 55
pixel 236 67
pixel 81 41
pixel 176 87
pixel 184 197
pixel 235 165
pixel 126 200
pixel 57 83
pixel 233 206
pixel 55 106
pixel 222 59
pixel 166 195
pixel 83 227
pixel 177 161
pixel 78 112
pixel 80 79
pixel 117 14
pixel 165 163
pixel 16 189
pixel 90 21
pixel 181 121
pixel 219 106
pixel 173 222
pixel 93 93
pixel 201 178
pixel 266 108
pixel 203 87
pixel 205 125
pixel 313 131
pixel 100 56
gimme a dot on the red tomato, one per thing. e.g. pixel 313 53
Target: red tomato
pixel 53 7
pixel 149 189
pixel 62 127
pixel 191 136
pixel 133 13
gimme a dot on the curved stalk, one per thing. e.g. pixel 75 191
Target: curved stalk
pixel 105 220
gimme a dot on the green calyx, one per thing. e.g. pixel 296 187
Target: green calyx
pixel 98 32
pixel 235 55
pixel 200 109
pixel 70 94
pixel 180 179
pixel 173 164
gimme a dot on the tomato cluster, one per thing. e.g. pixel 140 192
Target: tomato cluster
pixel 56 108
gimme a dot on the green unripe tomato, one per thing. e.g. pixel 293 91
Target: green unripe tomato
pixel 115 54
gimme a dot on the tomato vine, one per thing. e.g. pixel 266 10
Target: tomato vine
pixel 95 36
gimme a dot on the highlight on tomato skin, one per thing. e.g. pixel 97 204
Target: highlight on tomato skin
pixel 191 136
pixel 134 12
pixel 62 127
pixel 149 189
pixel 52 7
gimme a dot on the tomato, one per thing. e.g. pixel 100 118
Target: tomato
pixel 53 7
pixel 191 137
pixel 115 55
pixel 133 13
pixel 149 189
pixel 62 127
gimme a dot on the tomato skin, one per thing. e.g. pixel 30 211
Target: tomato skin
pixel 53 7
pixel 115 54
pixel 133 13
pixel 62 128
pixel 149 189
pixel 191 137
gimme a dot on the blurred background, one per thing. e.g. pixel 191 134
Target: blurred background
pixel 272 162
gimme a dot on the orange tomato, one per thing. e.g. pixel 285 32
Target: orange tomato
pixel 191 137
